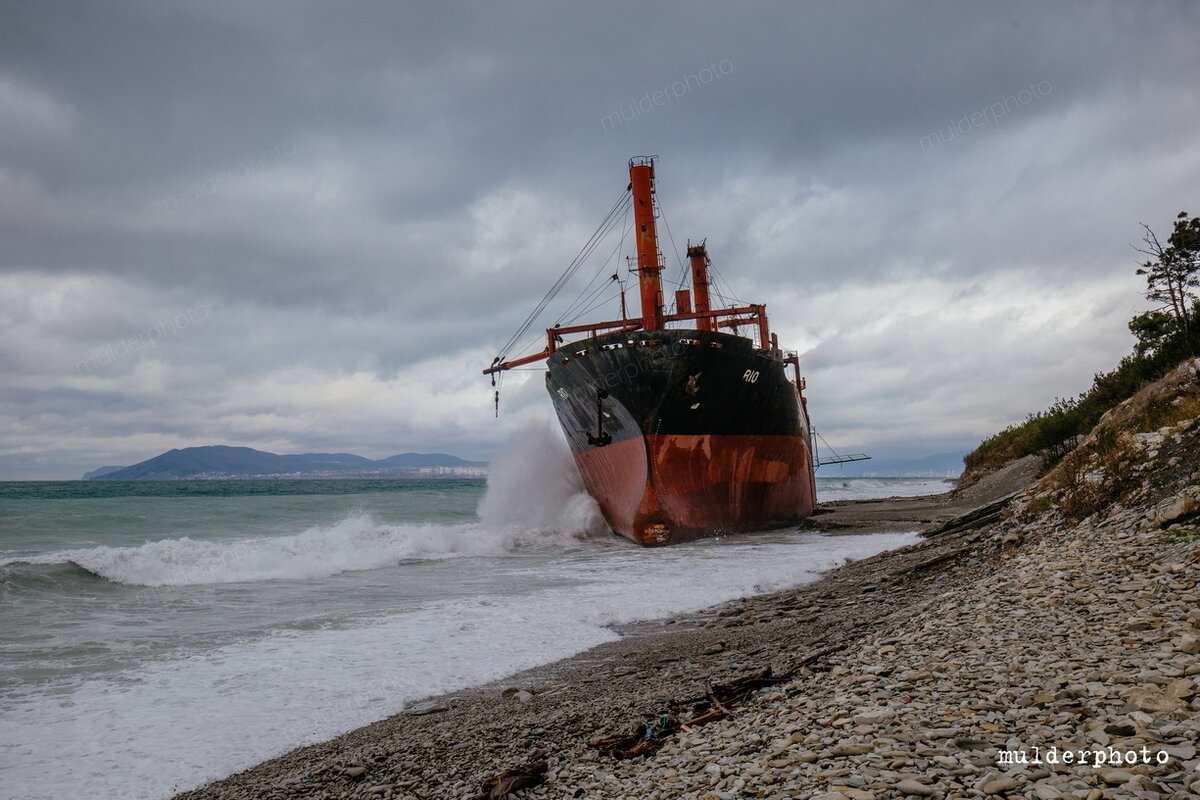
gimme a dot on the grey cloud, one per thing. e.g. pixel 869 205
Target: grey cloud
pixel 359 191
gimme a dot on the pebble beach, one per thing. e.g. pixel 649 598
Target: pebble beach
pixel 1015 652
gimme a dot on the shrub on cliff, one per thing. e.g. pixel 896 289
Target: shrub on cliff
pixel 1151 432
pixel 1166 335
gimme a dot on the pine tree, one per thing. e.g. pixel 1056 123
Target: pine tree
pixel 1173 274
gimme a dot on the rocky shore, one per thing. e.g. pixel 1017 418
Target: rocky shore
pixel 1043 642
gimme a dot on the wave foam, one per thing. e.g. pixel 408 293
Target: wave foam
pixel 179 722
pixel 356 543
pixel 535 485
pixel 853 488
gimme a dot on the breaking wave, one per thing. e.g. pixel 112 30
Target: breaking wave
pixel 534 484
pixel 356 543
pixel 842 488
pixel 534 498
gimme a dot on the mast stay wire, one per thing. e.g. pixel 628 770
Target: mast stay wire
pixel 683 272
pixel 601 230
pixel 723 289
pixel 600 302
pixel 625 228
pixel 609 225
pixel 532 341
pixel 584 303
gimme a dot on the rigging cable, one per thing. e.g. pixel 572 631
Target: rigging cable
pixel 601 230
pixel 625 228
pixel 584 302
pixel 601 302
pixel 608 225
pixel 683 270
pixel 817 455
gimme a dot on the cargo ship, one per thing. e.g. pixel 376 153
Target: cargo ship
pixel 681 426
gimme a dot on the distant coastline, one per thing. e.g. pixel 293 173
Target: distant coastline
pixel 224 462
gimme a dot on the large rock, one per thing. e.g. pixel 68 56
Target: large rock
pixel 1178 507
pixel 1154 700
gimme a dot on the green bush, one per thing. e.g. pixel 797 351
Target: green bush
pixel 1165 336
pixel 1053 432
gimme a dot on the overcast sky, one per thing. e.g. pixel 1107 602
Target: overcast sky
pixel 305 226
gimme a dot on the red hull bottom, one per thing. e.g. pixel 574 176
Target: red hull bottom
pixel 659 490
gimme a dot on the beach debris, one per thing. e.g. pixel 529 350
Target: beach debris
pixel 645 740
pixel 427 710
pixel 973 520
pixel 511 780
pixel 716 703
pixel 719 698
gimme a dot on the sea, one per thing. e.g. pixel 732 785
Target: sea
pixel 155 636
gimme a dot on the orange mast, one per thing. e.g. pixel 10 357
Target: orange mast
pixel 649 269
pixel 641 181
pixel 698 255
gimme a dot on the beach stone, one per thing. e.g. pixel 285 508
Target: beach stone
pixel 875 715
pixel 850 749
pixel 911 786
pixel 971 744
pixel 1154 700
pixel 998 784
pixel 1115 777
pixel 855 794
pixel 1181 752
pixel 1121 727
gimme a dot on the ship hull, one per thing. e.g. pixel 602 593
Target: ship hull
pixel 681 434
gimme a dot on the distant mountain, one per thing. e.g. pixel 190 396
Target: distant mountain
pixel 223 461
pixel 941 465
pixel 96 473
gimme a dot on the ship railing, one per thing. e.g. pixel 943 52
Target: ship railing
pixel 753 315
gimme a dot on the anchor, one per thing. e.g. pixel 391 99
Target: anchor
pixel 603 437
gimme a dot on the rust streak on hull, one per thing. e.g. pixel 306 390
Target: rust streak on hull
pixel 667 489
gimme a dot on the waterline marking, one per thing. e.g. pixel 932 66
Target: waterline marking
pixel 150 337
pixel 985 116
pixel 668 94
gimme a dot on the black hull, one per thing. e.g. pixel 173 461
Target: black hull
pixel 684 433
